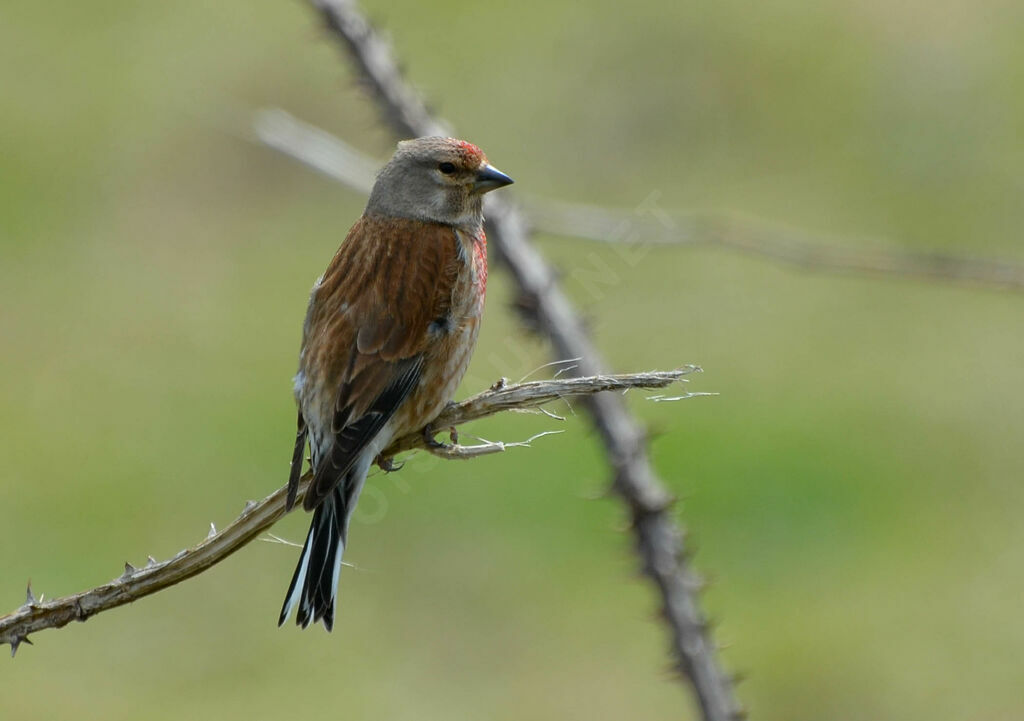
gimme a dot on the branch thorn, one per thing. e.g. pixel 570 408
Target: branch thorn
pixel 17 641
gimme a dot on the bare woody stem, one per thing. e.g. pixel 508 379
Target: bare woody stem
pixel 658 538
pixel 135 583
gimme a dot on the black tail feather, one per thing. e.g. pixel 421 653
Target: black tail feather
pixel 315 581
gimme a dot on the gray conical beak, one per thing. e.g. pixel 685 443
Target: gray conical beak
pixel 490 178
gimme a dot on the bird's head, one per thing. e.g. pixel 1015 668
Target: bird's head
pixel 439 180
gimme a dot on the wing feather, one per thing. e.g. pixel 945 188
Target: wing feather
pixel 367 337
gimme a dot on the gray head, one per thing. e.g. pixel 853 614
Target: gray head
pixel 440 180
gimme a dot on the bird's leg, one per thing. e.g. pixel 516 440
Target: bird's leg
pixel 430 431
pixel 430 441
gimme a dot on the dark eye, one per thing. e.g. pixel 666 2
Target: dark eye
pixel 446 168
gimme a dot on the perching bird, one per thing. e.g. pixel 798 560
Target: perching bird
pixel 389 332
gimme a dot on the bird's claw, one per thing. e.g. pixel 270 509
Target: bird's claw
pixel 389 465
pixel 434 444
pixel 431 442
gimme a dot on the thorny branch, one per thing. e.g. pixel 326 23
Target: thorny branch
pixel 659 540
pixel 135 583
pixel 337 159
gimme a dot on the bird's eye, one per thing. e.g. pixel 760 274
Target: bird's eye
pixel 446 168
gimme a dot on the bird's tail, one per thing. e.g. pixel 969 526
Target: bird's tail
pixel 314 584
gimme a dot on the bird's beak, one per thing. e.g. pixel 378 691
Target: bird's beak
pixel 489 178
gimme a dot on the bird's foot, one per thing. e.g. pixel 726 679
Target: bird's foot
pixel 433 443
pixel 430 441
pixel 390 465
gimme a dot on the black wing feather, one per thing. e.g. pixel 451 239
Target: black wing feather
pixel 297 458
pixel 353 437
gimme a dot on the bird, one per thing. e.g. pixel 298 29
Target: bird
pixel 388 334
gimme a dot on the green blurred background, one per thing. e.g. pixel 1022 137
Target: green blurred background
pixel 854 492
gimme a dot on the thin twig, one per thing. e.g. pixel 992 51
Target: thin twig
pixel 459 452
pixel 658 537
pixel 135 583
pixel 563 362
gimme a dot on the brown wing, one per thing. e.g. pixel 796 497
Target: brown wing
pixel 368 332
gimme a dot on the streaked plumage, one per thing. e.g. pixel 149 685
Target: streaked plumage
pixel 389 333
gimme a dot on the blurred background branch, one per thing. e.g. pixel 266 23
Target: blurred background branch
pixel 759 238
pixel 38 614
pixel 543 304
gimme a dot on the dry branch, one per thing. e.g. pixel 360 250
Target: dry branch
pixel 658 537
pixel 135 583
